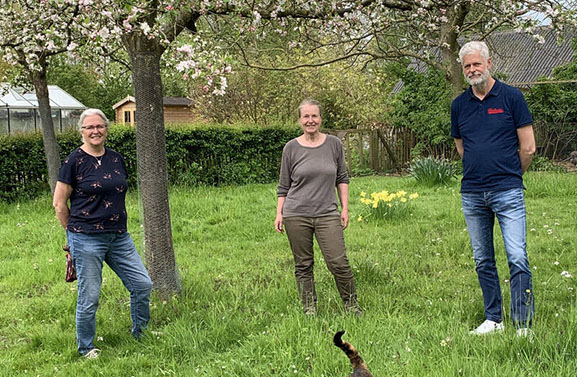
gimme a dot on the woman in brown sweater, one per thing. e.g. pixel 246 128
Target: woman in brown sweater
pixel 313 164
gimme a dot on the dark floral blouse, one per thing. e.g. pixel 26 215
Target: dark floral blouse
pixel 97 202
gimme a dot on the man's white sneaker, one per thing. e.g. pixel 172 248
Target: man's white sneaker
pixel 92 354
pixel 488 327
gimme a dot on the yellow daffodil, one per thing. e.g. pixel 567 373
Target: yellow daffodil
pixel 394 204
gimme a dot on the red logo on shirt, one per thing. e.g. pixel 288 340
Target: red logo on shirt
pixel 495 111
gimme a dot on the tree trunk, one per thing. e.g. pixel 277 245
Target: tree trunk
pixel 51 150
pixel 454 71
pixel 450 46
pixel 151 162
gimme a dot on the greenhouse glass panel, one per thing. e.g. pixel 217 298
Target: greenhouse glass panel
pixel 70 119
pixel 21 120
pixel 3 121
pixel 55 120
pixel 22 114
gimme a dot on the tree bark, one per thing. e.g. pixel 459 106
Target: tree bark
pixel 145 57
pixel 51 149
pixel 450 46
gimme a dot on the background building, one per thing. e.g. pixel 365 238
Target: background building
pixel 19 109
pixel 176 110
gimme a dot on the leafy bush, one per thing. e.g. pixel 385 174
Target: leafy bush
pixel 541 163
pixel 350 97
pixel 424 106
pixel 384 205
pixel 209 155
pixel 22 173
pixel 432 171
pixel 554 110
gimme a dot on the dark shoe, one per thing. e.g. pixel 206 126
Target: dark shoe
pixel 312 311
pixel 354 310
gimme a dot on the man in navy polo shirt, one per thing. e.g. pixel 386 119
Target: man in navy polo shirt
pixel 493 133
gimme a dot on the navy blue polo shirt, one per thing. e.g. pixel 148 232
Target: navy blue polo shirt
pixel 97 201
pixel 488 129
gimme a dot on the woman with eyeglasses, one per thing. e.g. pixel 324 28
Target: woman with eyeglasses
pixel 94 179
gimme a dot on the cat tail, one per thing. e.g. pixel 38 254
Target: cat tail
pixel 350 351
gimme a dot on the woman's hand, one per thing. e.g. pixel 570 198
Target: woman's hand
pixel 343 190
pixel 278 220
pixel 278 223
pixel 345 218
pixel 62 193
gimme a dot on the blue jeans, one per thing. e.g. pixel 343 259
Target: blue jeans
pixel 117 250
pixel 480 209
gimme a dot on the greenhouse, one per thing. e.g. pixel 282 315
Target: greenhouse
pixel 19 110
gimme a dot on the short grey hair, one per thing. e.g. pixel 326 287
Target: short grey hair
pixel 472 47
pixel 89 112
pixel 309 102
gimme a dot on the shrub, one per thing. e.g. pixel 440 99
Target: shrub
pixel 541 163
pixel 384 205
pixel 554 110
pixel 423 106
pixel 432 171
pixel 208 155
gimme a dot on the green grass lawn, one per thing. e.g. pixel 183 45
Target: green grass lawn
pixel 239 314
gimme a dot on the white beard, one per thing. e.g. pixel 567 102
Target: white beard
pixel 479 81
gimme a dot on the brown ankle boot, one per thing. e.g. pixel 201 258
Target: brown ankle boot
pixel 348 294
pixel 308 296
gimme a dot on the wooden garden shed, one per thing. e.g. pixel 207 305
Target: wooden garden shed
pixel 176 110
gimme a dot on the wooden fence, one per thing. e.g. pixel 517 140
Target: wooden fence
pixel 379 150
pixel 388 149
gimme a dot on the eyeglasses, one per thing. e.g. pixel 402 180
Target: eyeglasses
pixel 98 127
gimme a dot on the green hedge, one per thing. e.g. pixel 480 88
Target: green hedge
pixel 201 155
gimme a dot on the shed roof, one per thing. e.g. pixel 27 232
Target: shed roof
pixel 21 98
pixel 166 101
pixel 177 101
pixel 523 60
pixel 122 102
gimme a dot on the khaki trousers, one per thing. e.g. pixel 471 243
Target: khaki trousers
pixel 329 234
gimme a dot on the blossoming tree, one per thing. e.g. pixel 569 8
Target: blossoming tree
pixel 30 33
pixel 146 28
pixel 423 30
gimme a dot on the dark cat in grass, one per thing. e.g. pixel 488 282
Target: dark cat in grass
pixel 359 367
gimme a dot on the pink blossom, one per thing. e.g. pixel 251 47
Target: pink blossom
pixel 127 25
pixel 187 49
pixel 145 28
